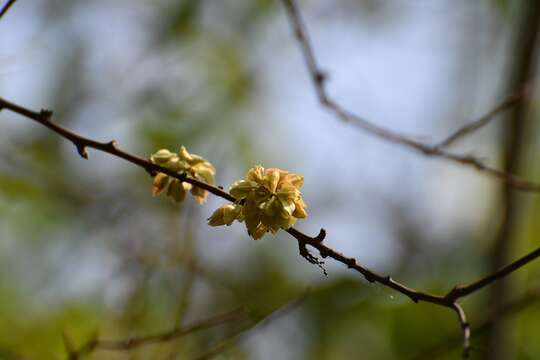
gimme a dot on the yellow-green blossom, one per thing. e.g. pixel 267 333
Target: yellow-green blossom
pixel 193 165
pixel 267 200
pixel 225 215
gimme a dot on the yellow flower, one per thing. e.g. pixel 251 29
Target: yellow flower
pixel 225 215
pixel 183 162
pixel 269 200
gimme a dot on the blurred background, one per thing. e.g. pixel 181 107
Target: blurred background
pixel 86 251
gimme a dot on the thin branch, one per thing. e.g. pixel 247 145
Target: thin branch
pixel 368 274
pixel 261 321
pixel 460 133
pixel 462 291
pixel 449 300
pixel 466 329
pixel 6 7
pixel 318 78
pixel 44 117
pixel 127 344
pixel 510 308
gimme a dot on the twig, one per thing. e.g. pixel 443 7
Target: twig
pixel 460 133
pixel 232 338
pixel 466 329
pixel 513 307
pixel 127 344
pixel 6 7
pixel 44 117
pixel 318 78
pixel 462 291
pixel 449 300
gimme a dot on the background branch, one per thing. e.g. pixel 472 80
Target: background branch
pixel 258 322
pixel 510 308
pixel 127 344
pixel 318 78
pixel 6 7
pixel 506 104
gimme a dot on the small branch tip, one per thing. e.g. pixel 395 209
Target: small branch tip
pixel 321 236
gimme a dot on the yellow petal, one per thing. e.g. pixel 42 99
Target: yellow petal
pixel 296 180
pixel 231 212
pixel 252 219
pixel 225 215
pixel 177 190
pixel 287 192
pixel 206 171
pixel 271 179
pixel 199 194
pixel 256 174
pixel 175 164
pixel 184 154
pixel 161 181
pixel 286 223
pixel 241 189
pixel 216 219
pixel 272 222
pixel 287 208
pixel 161 156
pixel 259 232
pixel 300 209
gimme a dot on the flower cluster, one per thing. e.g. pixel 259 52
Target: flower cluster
pixel 267 200
pixel 183 162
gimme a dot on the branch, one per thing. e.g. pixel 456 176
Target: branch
pixel 510 308
pixel 235 336
pixel 462 291
pixel 6 7
pixel 506 104
pixel 368 274
pixel 466 329
pixel 127 344
pixel 44 118
pixel 318 78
